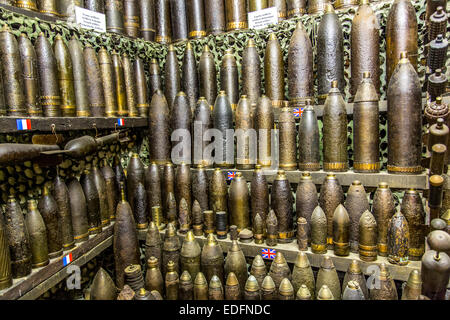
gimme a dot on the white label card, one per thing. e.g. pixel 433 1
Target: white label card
pixel 90 19
pixel 262 18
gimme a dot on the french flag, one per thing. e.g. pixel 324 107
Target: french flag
pixel 120 122
pixel 67 259
pixel 23 124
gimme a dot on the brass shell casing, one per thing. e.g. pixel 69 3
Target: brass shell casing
pixel 281 203
pixel 308 133
pixel 306 200
pixel 159 129
pixel 78 210
pixel 130 86
pixel 251 72
pixel 114 16
pixel 108 82
pixel 80 80
pixel 264 123
pixel 287 140
pixel 119 82
pixel 131 18
pixel 367 237
pixel 148 19
pixel 236 15
pixel 398 240
pixel 62 196
pixel 38 236
pixel 142 101
pixel 215 16
pixel 196 18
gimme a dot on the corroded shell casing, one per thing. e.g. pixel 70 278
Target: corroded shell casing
pixel 355 204
pixel 306 200
pixel 114 16
pixel 80 80
pixel 119 82
pixel 295 8
pixel 108 82
pixel 302 274
pixel 435 272
pixel 315 7
pixel 48 208
pixel 302 234
pixel 308 133
pixel 171 249
pixel 153 277
pixel 383 208
pixel 328 276
pixel 236 15
pixel 386 289
pixel 398 239
pixel 246 140
pixel 200 287
pixel 252 290
pixel 367 237
pixel 111 189
pixel 142 102
pixel 215 16
pixel 131 17
pixel 5 255
pixel 120 176
pixel 279 269
pixel 196 18
pixel 287 140
pixel 251 72
pixel 281 10
pixel 62 196
pixel 229 77
pixel 281 203
pixel 354 273
pixel 341 231
pixel 268 290
pixel 92 202
pixel 179 20
pixel 258 269
pixel 318 231
pixel 148 19
pixel 412 209
pixel 183 186
pixel 95 5
pixel 190 255
pixel 189 77
pixel 78 210
pixel 286 290
pixel 200 188
pixel 172 282
pixel 38 236
pixel 130 86
pixel 235 262
pixel 140 206
pixel 212 262
pixel 272 229
pixel 202 122
pixel 48 7
pixel 154 77
pixel 264 123
pixel 66 8
pixel 159 129
pixel 170 207
pixel 232 288
pixel 239 203
pixel 215 289
pixel 259 194
pixel 171 76
pixel 207 76
pixel 223 120
pixel 274 71
pixel 186 287
pixel 135 174
pixel 197 219
pixel 256 5
pixel 100 185
pixel 102 287
pixel 153 243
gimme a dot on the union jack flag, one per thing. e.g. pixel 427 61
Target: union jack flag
pixel 231 175
pixel 268 253
pixel 298 112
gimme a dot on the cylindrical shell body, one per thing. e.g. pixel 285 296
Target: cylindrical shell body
pixel 435 273
pixel 281 203
pixel 236 14
pixel 200 188
pixel 207 76
pixel 398 239
pixel 412 209
pixel 153 244
pixel 246 139
pixel 215 16
pixel 147 11
pixel 202 122
pixel 180 124
pixel 79 76
pixel 271 229
pixel 251 72
pixel 235 262
pixel 168 187
pixel 383 208
pixel 171 249
pixel 96 97
pixel 355 203
pixel 223 121
pixel 287 140
pixel 140 206
pixel 308 134
pixel 386 289
pixel 38 236
pixel 130 86
pixel 92 202
pixel 295 8
pixel 65 77
pixel 196 18
pixel 159 129
pixel 190 255
pixel 154 77
pixel 179 20
pixel 218 193
pixel 49 210
pixel 281 10
pixel 153 186
pixel 212 261
pixel 341 231
pixel 119 82
pixel 135 174
pixel 274 71
pixel 367 237
pixel 327 275
pixel 186 287
pixel 279 270
pixel 171 76
pixel 306 200
pixel 78 210
pixel 61 195
pixel 256 5
pixel 183 186
pixel 114 16
pixel 142 102
pixel 131 18
pixel 163 29
pixel 95 5
pixel 302 274
pixel 264 123
pixel 354 273
pixel 215 289
pixel 5 268
pixel 189 77
pixel 108 83
pixel 100 185
pixel 66 8
pixel 229 78
pixel 111 189
pixel 48 7
pixel 200 287
pixel 318 231
pixel 239 203
pixel 302 234
pixel 259 195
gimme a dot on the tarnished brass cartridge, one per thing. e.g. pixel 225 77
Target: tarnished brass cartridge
pixel 163 28
pixel 302 234
pixel 61 196
pixel 272 229
pixel 274 71
pixel 190 255
pixel 215 16
pixel 281 202
pixel 189 76
pixel 179 20
pixel 180 123
pixel 295 8
pixel 435 195
pixel 80 79
pixel 413 210
pixel 236 15
pixel 306 200
pixel 95 5
pixel 186 287
pixel 383 208
pixel 140 206
pixel 114 16
pixel 229 77
pixel 367 237
pixel 235 262
pixel 215 289
pixel 142 102
pixel 264 123
pixel 398 240
pixel 28 4
pixel 252 290
pixel 223 121
pixel 251 72
pixel 302 274
pixel 436 84
pixel 147 19
pixel 108 82
pixel 66 8
pixel 48 7
pixel 78 210
pixel 212 262
pixel 154 77
pixel 239 202
pixel 159 129
pixel 258 269
pixel 437 159
pixel 341 231
pixel 287 140
pixel 279 269
pixel 130 86
pixel 38 235
pixel 131 17
pixel 328 276
pixel 65 77
pixel 268 290
pixel 355 204
pixel 308 133
pixel 259 194
pixel 119 82
pixel 171 76
pixel 437 55
pixel 30 76
pixel 318 231
pixel 281 10
pixel 413 287
pixel 386 289
pixel 200 287
pixel 196 18
pixel 200 188
pixel 93 76
pixel 197 219
pixel 316 7
pixel 171 249
pixel 153 243
pixel 355 274
pixel 246 138
pixel 232 288
pixel 92 202
pixel 5 270
pixel 172 282
pixel 207 76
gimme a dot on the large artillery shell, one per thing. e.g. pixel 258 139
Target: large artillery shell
pixel 434 272
pixel 255 5
pixel 365 48
pixel 26 4
pixel 80 79
pixel 18 239
pixel 258 269
pixel 180 124
pixel 281 10
pixel 186 287
pixel 154 77
pixel 119 82
pixel 111 189
pixel 78 210
pixel 142 104
pixel 163 29
pixel 355 274
pixel 235 262
pixel 65 77
pixel 108 82
pixel 436 16
pixel 264 123
pixel 215 16
pixel 412 209
pixel 103 287
pixel 335 156
pixel 183 186
pixel 48 7
pixel 131 18
pixel 171 249
pixel 153 186
pixel 328 276
pixel 274 71
pixel 367 237
pixel 200 287
pixel 100 185
pixel 130 86
pixel 281 203
pixel 48 78
pixel 385 290
pixel 62 196
pixel 401 36
pixel 413 287
pixel 279 269
pixel 306 200
pixel 171 282
pixel 13 83
pixel 92 202
pixel 251 72
pixel 38 236
pixel 239 203
pixel 330 61
pixel 355 203
pixel 223 121
pixel 114 16
pixel 302 274
pixel 147 11
pixel 259 194
pixel 287 140
pixel 302 234
pixel 140 206
pixel 96 97
pixel 190 255
pixel 171 76
pixel 383 208
pixel 295 8
pixel 168 186
pixel 48 208
pixel 246 144
pixel 236 15
pixel 318 231
pixel 340 230
pixel 212 261
pixel 189 77
pixel 398 240
pixel 202 122
pixel 229 78
pixel 272 229
pixel 30 76
pixel 95 5
pixel 5 270
pixel 207 76
pixel 200 188
pixel 178 17
pixel 404 119
pixel 232 288
pixel 196 18
pixel 366 137
pixel 197 219
pixel 135 174
pixel 268 290
pixel 159 129
pixel 308 133
pixel 215 289
pixel 153 243
pixel 300 67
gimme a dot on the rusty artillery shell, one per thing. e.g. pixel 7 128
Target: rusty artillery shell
pixel 110 188
pixel 287 140
pixel 272 229
pixel 215 16
pixel 154 77
pixel 171 76
pixel 172 282
pixel 330 63
pixel 78 210
pixel 268 290
pixel 119 82
pixel 232 288
pixel 140 206
pixel 259 229
pixel 300 67
pixel 274 71
pixel 279 270
pixel 264 123
pixel 436 18
pixel 401 36
pixel 365 127
pixel 255 5
pixel 61 195
pixel 196 18
pixel 131 18
pixel 286 290
pixel 246 137
pixel 38 236
pixel 103 287
pixel 355 204
pixel 93 76
pixel 386 289
pixel 341 231
pixel 189 77
pixel 404 98
pixel 434 272
pixel 65 77
pixel 236 15
pixel 153 276
pixel 159 129
pixel 153 243
pixel 365 47
pixel 239 203
pixel 259 194
pixel 5 270
pixel 197 219
pixel 183 186
pixel 318 231
pixel 328 276
pixel 207 76
pixel 355 274
pixel 200 188
pixel 258 269
pixel 186 287
pixel 120 176
pixel 413 287
pixel 303 293
pixel 47 7
pixel 302 234
pixel 190 255
pixel 215 289
pixel 142 104
pixel 30 76
pixel 152 180
pixel 229 77
pixel 135 174
pixel 212 262
pixel 95 5
pixel 295 8
pixel 235 262
pixel 281 203
pixel 178 19
pixel 163 28
pixel 130 86
pixel 171 248
pixel 308 133
pixel 306 200
pixel 100 185
pixel 412 209
pixel 335 156
pixel 26 4
pixel 19 239
pixel 251 72
pixel 66 8
pixel 80 79
pixel 202 122
pixel 383 208
pixel 200 287
pixel 251 289
pixel 353 292
pixel 114 16
pixel 436 84
pixel 367 237
pixel 92 202
pixel 13 82
pixel 180 124
pixel 302 274
pixel 48 78
pixel 108 82
pixel 398 239
pixel 147 19
pixel 223 121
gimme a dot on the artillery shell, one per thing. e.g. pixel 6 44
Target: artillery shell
pixel 172 282
pixel 100 185
pixel 95 5
pixel 202 122
pixel 207 76
pixel 281 10
pixel 152 180
pixel 302 274
pixel 255 5
pixel 131 17
pixel 286 290
pixel 318 231
pixel 209 224
pixel 61 195
pixel 287 140
pixel 80 78
pixel 108 83
pixel 264 123
pixel 200 287
pixel 215 16
pixel 130 86
pixel 159 129
pixel 367 237
pixel 197 219
pixel 355 274
pixel 412 209
pixel 281 203
pixel 200 188
pixel 272 229
pixel 258 269
pixel 196 18
pixel 2 98
pixel 279 270
pixel 236 15
pixel 114 16
pixel 120 176
pixel 190 255
pixel 306 200
pixel 259 194
pixel 386 289
pixel 398 239
pixel 183 186
pixel 78 210
pixel 147 11
pixel 103 287
pixel 355 204
pixel 154 77
pixel 235 262
pixel 215 290
pixel 302 234
pixel 295 8
pixel 353 292
pixel 328 276
pixel 142 104
pixel 341 231
pixel 315 7
pixel 38 236
pixel 212 262
pixel 111 189
pixel 232 288
pixel 252 290
pixel 383 208
pixel 171 209
pixel 178 17
pixel 268 290
pixel 186 287
pixel 238 203
pixel 171 76
pixel 434 273
pixel 153 243
pixel 184 220
pixel 246 136
pixel 5 270
pixel 251 73
pixel 135 174
pixel 48 7
pixel 140 206
pixel 66 8
pixel 189 77
pixel 119 82
pixel 229 77
pixel 92 202
pixel 153 276
pixel 171 249
pixel 413 286
pixel 223 121
pixel 308 133
pixel 303 293
pixel 221 224
pixel 436 84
